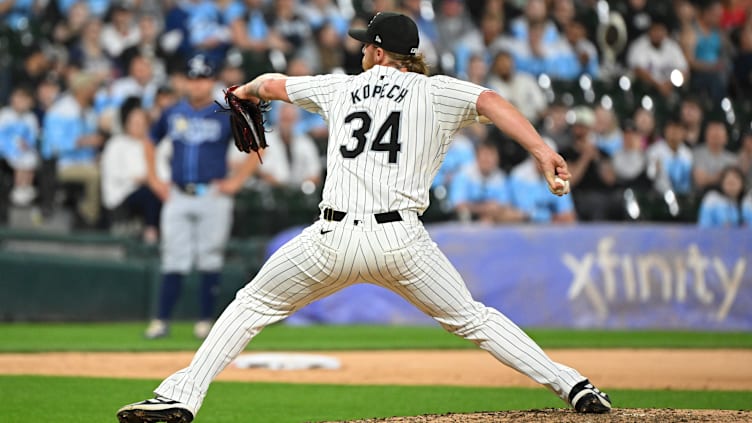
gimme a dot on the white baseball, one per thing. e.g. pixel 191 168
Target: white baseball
pixel 564 186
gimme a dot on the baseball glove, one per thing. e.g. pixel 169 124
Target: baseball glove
pixel 247 121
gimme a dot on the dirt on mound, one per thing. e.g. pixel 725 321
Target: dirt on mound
pixel 629 415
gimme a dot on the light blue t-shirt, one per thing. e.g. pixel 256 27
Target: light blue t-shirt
pixel 460 154
pixel 529 193
pixel 17 129
pixel 718 211
pixel 63 125
pixel 469 186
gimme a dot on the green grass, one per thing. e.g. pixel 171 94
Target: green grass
pixel 32 337
pixel 75 400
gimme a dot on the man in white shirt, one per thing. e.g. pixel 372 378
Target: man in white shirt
pixel 518 88
pixel 654 56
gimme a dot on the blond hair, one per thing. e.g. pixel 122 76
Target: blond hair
pixel 413 63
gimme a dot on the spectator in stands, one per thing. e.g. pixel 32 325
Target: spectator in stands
pixel 608 135
pixel 139 82
pixel 644 120
pixel 175 38
pixel 576 35
pixel 209 33
pixel 45 95
pixel 562 13
pixel 654 56
pixel 692 117
pixel 148 47
pixel 530 195
pixel 72 138
pixel 88 55
pixel 555 125
pixel 121 31
pixel 477 70
pixel 483 41
pixel 630 161
pixel 707 53
pixel 637 16
pixel 19 130
pixel 686 15
pixel 329 49
pixel 747 209
pixel 125 185
pixel 480 192
pixel 294 162
pixel 745 156
pixel 427 31
pixel 461 153
pixel 721 206
pixel 743 63
pixel 453 23
pixel 537 56
pixel 670 160
pixel 324 12
pixel 535 14
pixel 520 89
pixel 734 14
pixel 256 39
pixel 285 20
pixel 31 70
pixel 593 176
pixel 710 158
pixel 68 32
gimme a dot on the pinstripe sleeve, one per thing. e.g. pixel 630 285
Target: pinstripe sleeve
pixel 455 101
pixel 314 93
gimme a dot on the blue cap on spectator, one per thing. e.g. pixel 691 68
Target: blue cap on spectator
pixel 200 67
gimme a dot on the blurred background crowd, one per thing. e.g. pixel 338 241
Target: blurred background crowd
pixel 649 102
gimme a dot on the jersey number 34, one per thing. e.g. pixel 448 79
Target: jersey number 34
pixel 391 125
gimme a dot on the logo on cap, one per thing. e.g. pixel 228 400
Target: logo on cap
pixel 377 39
pixel 200 67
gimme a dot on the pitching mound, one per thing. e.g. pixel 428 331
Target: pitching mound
pixel 625 415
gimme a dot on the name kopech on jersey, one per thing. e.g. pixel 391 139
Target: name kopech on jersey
pixel 386 90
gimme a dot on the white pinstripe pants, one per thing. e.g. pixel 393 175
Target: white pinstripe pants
pixel 399 256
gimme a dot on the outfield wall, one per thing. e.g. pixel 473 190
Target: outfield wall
pixel 95 277
pixel 582 276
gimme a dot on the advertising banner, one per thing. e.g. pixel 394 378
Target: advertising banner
pixel 619 276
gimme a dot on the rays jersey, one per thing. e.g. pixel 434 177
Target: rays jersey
pixel 200 138
pixel 389 131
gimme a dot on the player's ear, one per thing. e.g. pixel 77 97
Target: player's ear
pixel 380 54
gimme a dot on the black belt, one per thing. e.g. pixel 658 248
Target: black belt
pixel 193 188
pixel 386 217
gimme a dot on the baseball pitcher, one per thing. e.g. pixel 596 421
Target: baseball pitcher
pixel 389 129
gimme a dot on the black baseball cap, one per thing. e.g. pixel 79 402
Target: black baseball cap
pixel 199 66
pixel 393 32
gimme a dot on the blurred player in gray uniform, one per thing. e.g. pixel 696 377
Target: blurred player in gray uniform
pixel 197 213
pixel 389 129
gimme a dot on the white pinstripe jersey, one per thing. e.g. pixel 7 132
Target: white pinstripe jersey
pixel 389 131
